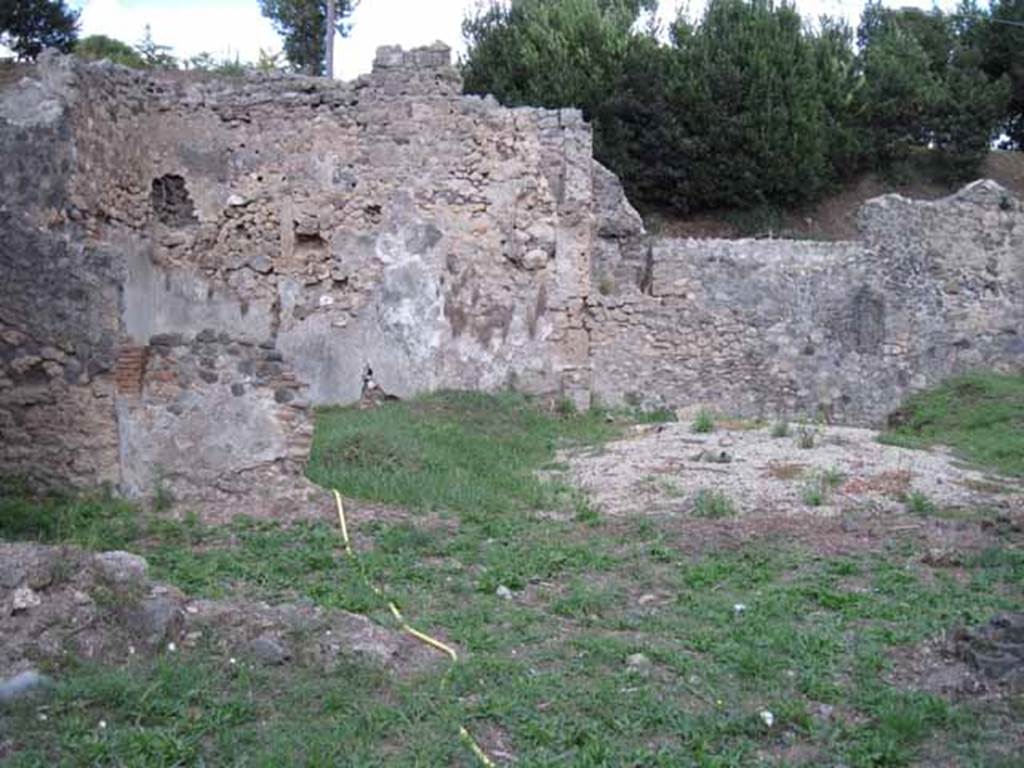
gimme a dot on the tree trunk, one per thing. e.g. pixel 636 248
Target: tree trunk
pixel 329 41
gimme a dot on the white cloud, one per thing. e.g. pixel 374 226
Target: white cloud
pixel 224 28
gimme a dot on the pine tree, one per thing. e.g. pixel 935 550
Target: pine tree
pixel 303 25
pixel 29 26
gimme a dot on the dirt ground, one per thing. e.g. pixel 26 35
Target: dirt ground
pixel 659 470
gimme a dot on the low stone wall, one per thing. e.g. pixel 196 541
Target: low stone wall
pixel 841 331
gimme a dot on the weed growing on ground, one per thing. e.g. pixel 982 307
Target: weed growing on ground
pixel 713 504
pixel 833 477
pixel 814 492
pixel 703 422
pixel 97 520
pixel 919 504
pixel 780 429
pixel 806 437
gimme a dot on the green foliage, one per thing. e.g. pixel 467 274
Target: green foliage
pixel 29 26
pixel 703 422
pixel 923 85
pixel 814 492
pixel 102 47
pixel 94 521
pixel 980 415
pixel 303 25
pixel 998 35
pixel 919 503
pixel 780 429
pixel 748 108
pixel 753 106
pixel 473 453
pixel 898 93
pixel 713 504
pixel 154 55
pixel 206 62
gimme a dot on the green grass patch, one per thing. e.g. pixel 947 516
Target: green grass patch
pixel 980 415
pixel 544 675
pixel 475 454
pixel 96 520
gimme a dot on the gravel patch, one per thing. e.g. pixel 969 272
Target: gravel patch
pixel 659 470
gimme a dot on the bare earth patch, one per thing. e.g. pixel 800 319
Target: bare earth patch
pixel 659 470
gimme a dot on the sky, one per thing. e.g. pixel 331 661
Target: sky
pixel 235 27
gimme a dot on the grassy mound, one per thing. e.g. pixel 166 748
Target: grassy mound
pixel 980 415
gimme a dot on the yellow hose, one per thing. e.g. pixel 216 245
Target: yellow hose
pixel 464 734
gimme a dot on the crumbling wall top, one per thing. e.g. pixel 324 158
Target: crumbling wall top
pixel 434 56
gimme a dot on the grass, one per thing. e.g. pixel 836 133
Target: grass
pixel 806 437
pixel 93 521
pixel 816 488
pixel 545 676
pixel 981 416
pixel 713 504
pixel 469 453
pixel 549 675
pixel 780 429
pixel 703 422
pixel 814 492
pixel 919 504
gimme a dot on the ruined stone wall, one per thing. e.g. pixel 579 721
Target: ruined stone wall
pixel 58 298
pixel 189 263
pixel 835 330
pixel 303 228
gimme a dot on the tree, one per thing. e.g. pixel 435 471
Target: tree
pixel 550 53
pixel 29 26
pixel 303 25
pixel 103 47
pixel 924 85
pixel 753 104
pixel 155 55
pixel 1001 42
pixel 898 94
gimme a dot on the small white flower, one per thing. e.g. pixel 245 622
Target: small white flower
pixel 172 647
pixel 232 660
pixel 42 717
pixel 767 717
pixel 739 608
pixel 131 650
pixel 103 724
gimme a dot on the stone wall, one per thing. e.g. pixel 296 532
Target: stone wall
pixel 188 264
pixel 840 330
pixel 313 226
